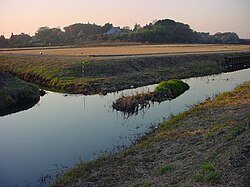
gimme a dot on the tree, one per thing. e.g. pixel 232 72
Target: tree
pixel 106 27
pixel 137 27
pixel 20 40
pixel 43 34
pixel 49 36
pixel 3 41
pixel 227 37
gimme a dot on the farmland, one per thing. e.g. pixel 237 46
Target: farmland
pixel 127 50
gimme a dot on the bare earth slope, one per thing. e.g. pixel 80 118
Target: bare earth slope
pixel 209 145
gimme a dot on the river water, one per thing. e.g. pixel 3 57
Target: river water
pixel 62 130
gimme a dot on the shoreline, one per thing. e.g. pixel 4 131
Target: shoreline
pixel 202 146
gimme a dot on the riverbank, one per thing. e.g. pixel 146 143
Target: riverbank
pixel 206 145
pixel 16 95
pixel 89 75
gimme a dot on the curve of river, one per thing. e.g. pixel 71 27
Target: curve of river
pixel 62 130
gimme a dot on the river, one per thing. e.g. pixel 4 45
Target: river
pixel 62 130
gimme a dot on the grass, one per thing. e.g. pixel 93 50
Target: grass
pixel 166 168
pixel 188 153
pixel 208 173
pixel 61 74
pixel 64 74
pixel 165 90
pixel 16 94
pixel 174 87
pixel 237 130
pixel 235 97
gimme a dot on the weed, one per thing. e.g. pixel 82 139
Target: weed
pixel 209 135
pixel 239 129
pixel 208 173
pixel 166 168
pixel 147 184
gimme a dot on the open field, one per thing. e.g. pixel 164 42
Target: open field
pixel 207 145
pixel 129 50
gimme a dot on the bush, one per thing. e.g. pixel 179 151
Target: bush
pixel 172 87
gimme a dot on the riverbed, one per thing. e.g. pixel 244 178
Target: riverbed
pixel 62 130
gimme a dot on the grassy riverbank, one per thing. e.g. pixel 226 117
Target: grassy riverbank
pixel 66 74
pixel 15 94
pixel 206 145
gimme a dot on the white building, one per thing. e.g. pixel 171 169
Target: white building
pixel 114 30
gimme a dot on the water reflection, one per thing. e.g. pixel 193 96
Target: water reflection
pixel 61 131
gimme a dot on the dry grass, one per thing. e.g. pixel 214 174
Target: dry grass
pixel 131 50
pixel 205 146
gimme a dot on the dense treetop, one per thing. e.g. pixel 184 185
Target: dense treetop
pixel 161 31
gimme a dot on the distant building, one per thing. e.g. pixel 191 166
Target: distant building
pixel 113 30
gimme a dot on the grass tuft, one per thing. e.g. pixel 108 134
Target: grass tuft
pixel 208 173
pixel 166 168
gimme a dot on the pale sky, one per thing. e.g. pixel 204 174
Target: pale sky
pixel 202 15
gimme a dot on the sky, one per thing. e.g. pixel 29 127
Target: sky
pixel 17 16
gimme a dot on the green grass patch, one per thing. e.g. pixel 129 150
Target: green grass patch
pixel 238 130
pixel 166 168
pixel 174 87
pixel 209 135
pixel 208 173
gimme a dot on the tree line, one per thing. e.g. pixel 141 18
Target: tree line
pixel 161 31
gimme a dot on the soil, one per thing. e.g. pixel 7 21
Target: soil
pixel 209 145
pixel 120 49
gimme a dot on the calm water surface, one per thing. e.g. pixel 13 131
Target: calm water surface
pixel 63 130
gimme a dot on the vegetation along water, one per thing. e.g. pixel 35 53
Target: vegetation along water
pixel 62 129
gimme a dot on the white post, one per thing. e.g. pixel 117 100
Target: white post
pixel 82 69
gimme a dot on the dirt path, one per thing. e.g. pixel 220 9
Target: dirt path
pixel 209 145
